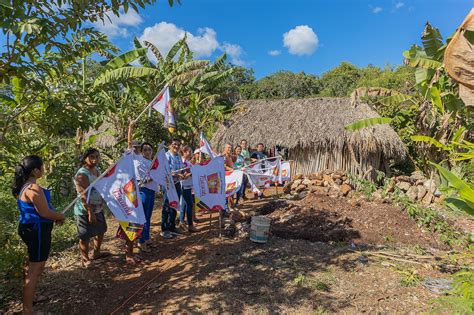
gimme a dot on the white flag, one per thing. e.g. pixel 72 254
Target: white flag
pixel 209 184
pixel 160 173
pixel 205 147
pixel 285 171
pixel 119 189
pixel 274 169
pixel 162 104
pixel 233 182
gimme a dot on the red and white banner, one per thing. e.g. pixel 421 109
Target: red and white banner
pixel 205 147
pixel 162 104
pixel 274 169
pixel 209 184
pixel 233 182
pixel 285 171
pixel 160 173
pixel 119 189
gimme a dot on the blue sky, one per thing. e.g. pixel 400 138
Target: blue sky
pixel 297 35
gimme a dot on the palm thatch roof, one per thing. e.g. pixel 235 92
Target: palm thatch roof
pixel 309 123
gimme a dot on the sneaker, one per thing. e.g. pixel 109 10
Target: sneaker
pixel 166 234
pixel 175 232
pixel 192 229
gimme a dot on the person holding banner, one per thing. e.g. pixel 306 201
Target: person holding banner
pixel 186 200
pixel 37 217
pixel 90 219
pixel 257 156
pixel 168 216
pixel 238 165
pixel 148 187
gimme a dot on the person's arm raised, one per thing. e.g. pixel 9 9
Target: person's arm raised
pixel 131 124
pixel 36 194
pixel 82 182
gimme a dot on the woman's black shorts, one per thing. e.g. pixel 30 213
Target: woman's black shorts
pixel 85 230
pixel 37 238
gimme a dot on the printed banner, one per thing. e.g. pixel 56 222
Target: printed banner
pixel 160 173
pixel 233 182
pixel 274 169
pixel 285 171
pixel 119 189
pixel 209 184
pixel 205 147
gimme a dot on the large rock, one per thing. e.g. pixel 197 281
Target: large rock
pixel 421 192
pixel 412 193
pixel 306 182
pixel 430 185
pixel 318 176
pixel 417 175
pixel 338 181
pixel 404 186
pixel 345 189
pixel 317 182
pixel 428 198
pixel 327 178
pixel 296 183
pixel 299 176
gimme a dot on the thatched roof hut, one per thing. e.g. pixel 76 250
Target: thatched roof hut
pixel 313 130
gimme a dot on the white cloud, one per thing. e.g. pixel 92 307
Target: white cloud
pixel 117 25
pixel 164 35
pixel 377 10
pixel 301 40
pixel 399 5
pixel 274 53
pixel 235 53
pixel 203 44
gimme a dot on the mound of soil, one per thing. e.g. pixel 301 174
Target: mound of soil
pixel 319 217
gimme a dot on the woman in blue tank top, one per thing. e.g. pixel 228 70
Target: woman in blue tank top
pixel 37 216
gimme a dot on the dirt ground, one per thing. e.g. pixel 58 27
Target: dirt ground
pixel 329 263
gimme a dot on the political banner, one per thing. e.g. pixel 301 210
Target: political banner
pixel 285 171
pixel 132 231
pixel 233 182
pixel 162 104
pixel 119 189
pixel 209 184
pixel 205 147
pixel 160 173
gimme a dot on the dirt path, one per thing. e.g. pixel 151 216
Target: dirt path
pixel 202 273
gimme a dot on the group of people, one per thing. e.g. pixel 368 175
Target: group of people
pixel 37 214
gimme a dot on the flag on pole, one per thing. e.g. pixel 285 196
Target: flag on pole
pixel 233 182
pixel 209 184
pixel 119 189
pixel 205 147
pixel 162 104
pixel 160 173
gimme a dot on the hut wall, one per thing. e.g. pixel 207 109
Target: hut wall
pixel 311 160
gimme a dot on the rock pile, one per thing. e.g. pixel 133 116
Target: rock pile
pixel 417 187
pixel 337 184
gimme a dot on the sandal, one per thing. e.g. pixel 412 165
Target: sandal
pixel 87 264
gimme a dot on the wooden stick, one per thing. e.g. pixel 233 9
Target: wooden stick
pixel 88 188
pixel 149 104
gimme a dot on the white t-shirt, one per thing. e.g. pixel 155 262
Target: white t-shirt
pixel 142 165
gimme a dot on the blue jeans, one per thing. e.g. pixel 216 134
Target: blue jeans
pixel 186 206
pixel 148 200
pixel 241 192
pixel 168 215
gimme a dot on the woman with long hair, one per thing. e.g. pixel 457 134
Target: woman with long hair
pixel 37 216
pixel 90 219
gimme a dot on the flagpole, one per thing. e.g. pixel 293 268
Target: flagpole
pixel 88 188
pixel 149 104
